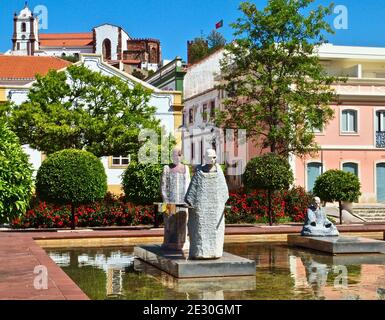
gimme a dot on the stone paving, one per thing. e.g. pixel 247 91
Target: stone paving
pixel 20 254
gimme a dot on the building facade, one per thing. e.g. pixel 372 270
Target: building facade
pixel 353 141
pixel 170 77
pixel 116 46
pixel 168 109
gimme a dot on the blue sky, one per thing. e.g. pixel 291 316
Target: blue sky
pixel 176 21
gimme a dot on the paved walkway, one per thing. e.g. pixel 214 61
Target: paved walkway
pixel 20 254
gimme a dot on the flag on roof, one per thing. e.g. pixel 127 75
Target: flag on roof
pixel 219 24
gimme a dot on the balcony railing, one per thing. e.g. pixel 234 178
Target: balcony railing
pixel 380 139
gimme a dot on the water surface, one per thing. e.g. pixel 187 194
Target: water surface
pixel 282 273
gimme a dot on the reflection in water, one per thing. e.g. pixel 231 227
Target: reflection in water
pixel 282 273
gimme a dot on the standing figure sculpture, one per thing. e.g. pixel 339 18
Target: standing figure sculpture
pixel 317 224
pixel 174 184
pixel 207 194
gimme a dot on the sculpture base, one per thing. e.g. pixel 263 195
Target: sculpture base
pixel 178 265
pixel 338 245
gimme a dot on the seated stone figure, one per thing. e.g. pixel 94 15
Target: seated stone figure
pixel 317 224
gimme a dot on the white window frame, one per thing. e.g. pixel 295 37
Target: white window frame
pixel 357 113
pixel 120 159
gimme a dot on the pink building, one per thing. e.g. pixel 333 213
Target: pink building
pixel 353 141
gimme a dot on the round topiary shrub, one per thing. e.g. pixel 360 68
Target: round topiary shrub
pixel 141 183
pixel 16 184
pixel 72 177
pixel 270 172
pixel 338 186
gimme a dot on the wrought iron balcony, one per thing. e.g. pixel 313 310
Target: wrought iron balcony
pixel 380 139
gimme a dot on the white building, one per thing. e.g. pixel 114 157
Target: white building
pixel 116 46
pixel 168 104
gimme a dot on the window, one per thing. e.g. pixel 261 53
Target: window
pixel 120 161
pixel 349 121
pixel 23 27
pixel 192 151
pixel 380 121
pixel 212 110
pixel 204 113
pixel 350 167
pixel 314 170
pixel 191 116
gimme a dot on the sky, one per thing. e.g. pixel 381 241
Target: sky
pixel 174 22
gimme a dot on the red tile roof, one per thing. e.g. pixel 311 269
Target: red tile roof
pixel 26 67
pixel 66 39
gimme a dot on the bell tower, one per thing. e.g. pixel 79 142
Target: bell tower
pixel 25 33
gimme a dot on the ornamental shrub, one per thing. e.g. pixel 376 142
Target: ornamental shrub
pixel 71 177
pixel 141 183
pixel 16 183
pixel 338 186
pixel 270 172
pixel 111 211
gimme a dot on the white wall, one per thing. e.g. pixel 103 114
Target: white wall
pixel 111 32
pixel 200 77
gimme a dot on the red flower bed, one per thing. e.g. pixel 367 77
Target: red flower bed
pixel 112 211
pixel 288 206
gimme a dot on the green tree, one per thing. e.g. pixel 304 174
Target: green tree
pixel 72 177
pixel 277 88
pixel 215 40
pixel 270 172
pixel 198 50
pixel 338 186
pixel 15 176
pixel 83 109
pixel 141 183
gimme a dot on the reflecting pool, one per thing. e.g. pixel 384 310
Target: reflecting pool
pixel 282 273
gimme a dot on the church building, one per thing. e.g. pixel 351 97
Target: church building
pixel 118 48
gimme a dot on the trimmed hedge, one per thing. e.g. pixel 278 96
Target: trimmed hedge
pixel 252 207
pixel 141 183
pixel 71 177
pixel 16 183
pixel 268 172
pixel 111 211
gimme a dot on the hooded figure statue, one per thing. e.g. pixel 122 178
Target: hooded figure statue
pixel 207 194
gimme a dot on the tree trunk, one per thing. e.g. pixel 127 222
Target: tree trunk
pixel 270 209
pixel 340 206
pixel 73 226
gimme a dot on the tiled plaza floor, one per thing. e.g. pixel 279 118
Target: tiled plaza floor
pixel 20 254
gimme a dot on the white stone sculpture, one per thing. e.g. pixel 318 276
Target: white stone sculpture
pixel 207 194
pixel 174 184
pixel 317 224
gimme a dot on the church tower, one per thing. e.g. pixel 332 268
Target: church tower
pixel 25 33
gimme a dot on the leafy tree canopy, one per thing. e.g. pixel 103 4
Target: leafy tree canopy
pixel 83 109
pixel 15 176
pixel 277 88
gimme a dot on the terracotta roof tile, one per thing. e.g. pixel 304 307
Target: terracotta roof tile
pixel 66 39
pixel 26 67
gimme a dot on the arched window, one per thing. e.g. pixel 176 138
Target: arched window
pixel 349 121
pixel 380 180
pixel 350 167
pixel 23 27
pixel 154 55
pixel 314 170
pixel 107 49
pixel 22 37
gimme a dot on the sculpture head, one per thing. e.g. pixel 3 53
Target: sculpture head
pixel 176 156
pixel 317 202
pixel 211 157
